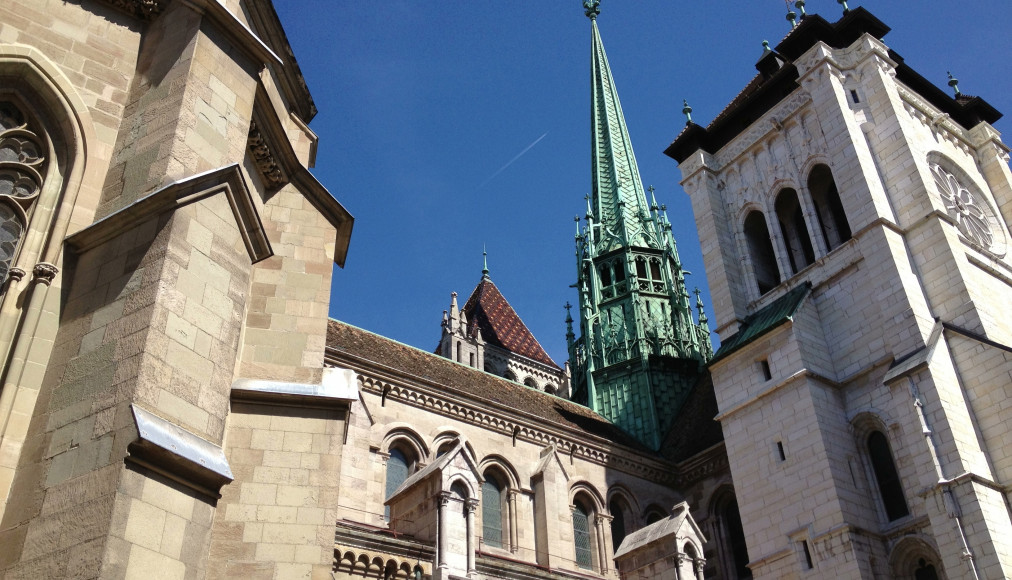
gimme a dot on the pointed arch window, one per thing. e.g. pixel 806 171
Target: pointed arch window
pixel 828 207
pixel 886 476
pixel 23 156
pixel 794 230
pixel 760 249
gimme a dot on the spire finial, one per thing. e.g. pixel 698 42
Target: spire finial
pixel 484 257
pixel 801 7
pixel 591 8
pixel 792 16
pixel 954 83
pixel 687 111
pixel 843 3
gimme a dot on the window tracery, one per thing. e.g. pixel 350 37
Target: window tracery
pixel 973 215
pixel 22 166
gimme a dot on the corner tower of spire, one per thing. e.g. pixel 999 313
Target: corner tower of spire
pixel 641 348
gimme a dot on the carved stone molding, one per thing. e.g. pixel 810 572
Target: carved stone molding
pixel 16 274
pixel 143 9
pixel 525 432
pixel 760 128
pixel 270 171
pixel 45 272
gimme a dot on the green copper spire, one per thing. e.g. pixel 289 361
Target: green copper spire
pixel 484 257
pixel 640 347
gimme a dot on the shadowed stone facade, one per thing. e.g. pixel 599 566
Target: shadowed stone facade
pixel 175 402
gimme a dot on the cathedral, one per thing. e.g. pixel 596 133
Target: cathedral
pixel 175 402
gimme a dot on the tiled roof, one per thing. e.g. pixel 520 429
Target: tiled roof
pixel 344 340
pixel 500 325
pixel 764 320
pixel 694 428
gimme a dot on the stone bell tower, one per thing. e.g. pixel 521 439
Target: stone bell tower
pixel 854 224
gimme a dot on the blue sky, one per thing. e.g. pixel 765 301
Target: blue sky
pixel 422 104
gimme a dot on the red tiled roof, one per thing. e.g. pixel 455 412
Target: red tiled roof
pixel 345 341
pixel 500 325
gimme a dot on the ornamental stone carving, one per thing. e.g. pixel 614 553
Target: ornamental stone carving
pixel 973 216
pixel 22 166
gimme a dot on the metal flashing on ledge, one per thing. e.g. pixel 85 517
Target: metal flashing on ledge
pixel 178 454
pixel 337 390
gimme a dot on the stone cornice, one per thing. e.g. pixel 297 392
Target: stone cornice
pixel 275 155
pixel 415 391
pixel 226 180
pixel 144 9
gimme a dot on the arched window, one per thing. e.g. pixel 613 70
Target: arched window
pixel 492 511
pixel 509 375
pixel 22 166
pixel 925 571
pixel 529 381
pixel 760 250
pixel 792 226
pixel 829 208
pixel 399 465
pixel 581 536
pixel 654 514
pixel 886 477
pixel 731 537
pixel 618 522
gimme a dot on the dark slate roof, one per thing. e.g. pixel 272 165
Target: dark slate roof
pixel 773 84
pixel 460 379
pixel 500 325
pixel 694 428
pixel 764 320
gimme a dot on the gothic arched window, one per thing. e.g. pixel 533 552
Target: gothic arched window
pixel 794 230
pixel 492 511
pixel 22 165
pixel 829 208
pixel 886 476
pixel 760 250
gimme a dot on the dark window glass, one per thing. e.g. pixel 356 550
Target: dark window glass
pixel 641 269
pixel 619 272
pixel 581 537
pixel 736 538
pixel 605 276
pixel 925 571
pixel 491 512
pixel 886 476
pixel 398 468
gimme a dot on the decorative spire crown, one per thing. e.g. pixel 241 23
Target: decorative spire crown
pixel 591 8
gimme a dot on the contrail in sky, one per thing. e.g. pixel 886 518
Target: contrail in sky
pixel 512 161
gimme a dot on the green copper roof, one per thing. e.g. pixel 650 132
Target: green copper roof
pixel 766 319
pixel 618 200
pixel 640 348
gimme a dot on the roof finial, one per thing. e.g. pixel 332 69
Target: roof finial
pixel 484 256
pixel 801 6
pixel 591 8
pixel 954 83
pixel 792 16
pixel 843 3
pixel 687 111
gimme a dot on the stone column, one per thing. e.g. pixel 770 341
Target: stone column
pixel 678 566
pixel 512 506
pixel 699 564
pixel 604 551
pixel 443 516
pixel 471 505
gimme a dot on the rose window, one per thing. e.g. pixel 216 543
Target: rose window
pixel 974 218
